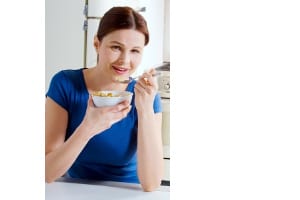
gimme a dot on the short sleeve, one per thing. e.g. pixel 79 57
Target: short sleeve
pixel 58 89
pixel 157 105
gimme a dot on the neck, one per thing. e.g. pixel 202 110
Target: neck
pixel 97 80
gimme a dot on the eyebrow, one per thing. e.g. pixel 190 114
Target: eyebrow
pixel 136 47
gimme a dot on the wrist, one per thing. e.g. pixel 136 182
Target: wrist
pixel 84 131
pixel 145 112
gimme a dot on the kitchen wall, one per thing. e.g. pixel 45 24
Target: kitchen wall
pixel 63 36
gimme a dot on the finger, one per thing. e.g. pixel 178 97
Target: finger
pixel 152 71
pixel 120 115
pixel 148 77
pixel 90 101
pixel 138 88
pixel 125 103
pixel 147 82
pixel 142 88
pixel 121 106
pixel 141 82
pixel 153 80
pixel 126 111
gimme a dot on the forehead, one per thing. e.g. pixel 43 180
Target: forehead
pixel 127 37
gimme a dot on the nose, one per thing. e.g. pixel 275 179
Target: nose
pixel 124 58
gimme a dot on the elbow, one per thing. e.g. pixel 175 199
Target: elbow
pixel 50 175
pixel 49 179
pixel 150 187
pixel 150 181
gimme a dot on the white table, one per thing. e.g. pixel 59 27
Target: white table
pixel 65 189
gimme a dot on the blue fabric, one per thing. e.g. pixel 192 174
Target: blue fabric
pixel 110 155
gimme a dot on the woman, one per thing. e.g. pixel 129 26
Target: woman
pixel 116 143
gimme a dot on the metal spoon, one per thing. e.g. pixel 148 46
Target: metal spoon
pixel 135 78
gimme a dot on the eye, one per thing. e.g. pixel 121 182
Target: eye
pixel 135 51
pixel 115 48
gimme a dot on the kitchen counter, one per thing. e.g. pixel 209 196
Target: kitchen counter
pixel 74 189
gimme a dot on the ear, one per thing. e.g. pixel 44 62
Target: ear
pixel 96 43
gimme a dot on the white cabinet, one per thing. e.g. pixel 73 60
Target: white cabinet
pixel 167 31
pixel 166 176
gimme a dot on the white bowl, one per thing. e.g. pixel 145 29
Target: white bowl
pixel 110 97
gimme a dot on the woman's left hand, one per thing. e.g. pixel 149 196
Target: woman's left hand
pixel 145 90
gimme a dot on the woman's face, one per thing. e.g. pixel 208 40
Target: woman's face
pixel 120 52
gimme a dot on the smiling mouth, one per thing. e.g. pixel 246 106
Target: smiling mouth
pixel 120 70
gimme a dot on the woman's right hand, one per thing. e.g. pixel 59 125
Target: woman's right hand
pixel 98 119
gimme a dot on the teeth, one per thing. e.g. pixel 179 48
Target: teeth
pixel 120 69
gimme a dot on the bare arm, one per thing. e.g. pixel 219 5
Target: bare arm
pixel 60 154
pixel 149 148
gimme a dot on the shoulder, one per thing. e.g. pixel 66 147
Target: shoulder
pixel 68 75
pixel 63 85
pixel 65 80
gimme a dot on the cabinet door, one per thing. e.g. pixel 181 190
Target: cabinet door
pixel 99 7
pixel 166 176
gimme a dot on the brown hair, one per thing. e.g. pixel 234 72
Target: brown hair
pixel 118 18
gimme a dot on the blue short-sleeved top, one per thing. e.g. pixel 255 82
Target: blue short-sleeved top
pixel 110 155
